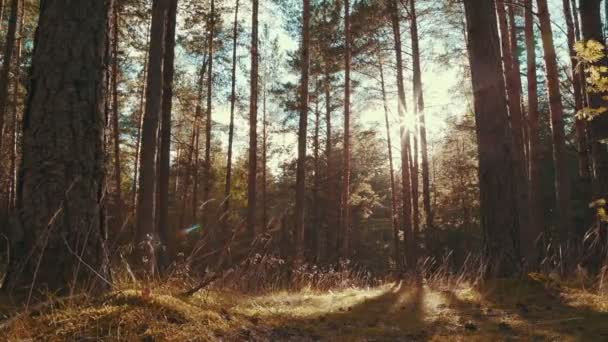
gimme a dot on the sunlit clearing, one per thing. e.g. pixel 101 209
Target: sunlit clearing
pixel 311 303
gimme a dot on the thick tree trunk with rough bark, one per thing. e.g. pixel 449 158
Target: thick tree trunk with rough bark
pixel 405 137
pixel 253 123
pixel 513 87
pixel 498 218
pixel 535 157
pixel 62 173
pixel 163 225
pixel 302 136
pixel 562 191
pixel 145 223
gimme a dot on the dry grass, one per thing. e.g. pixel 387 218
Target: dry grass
pixel 537 308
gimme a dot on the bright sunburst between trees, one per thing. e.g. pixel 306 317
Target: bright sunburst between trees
pixel 303 170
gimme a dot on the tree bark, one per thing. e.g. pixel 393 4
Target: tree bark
pixel 264 158
pixel 115 110
pixel 9 49
pixel 62 173
pixel 421 129
pixel 1 13
pixel 498 222
pixel 581 132
pixel 140 119
pixel 513 87
pixel 394 214
pixel 562 191
pixel 419 108
pixel 332 218
pixel 209 123
pixel 11 203
pixel 228 188
pixel 164 229
pixel 302 136
pixel 405 136
pixel 316 210
pixel 253 122
pixel 195 143
pixel 146 235
pixel 346 168
pixel 536 212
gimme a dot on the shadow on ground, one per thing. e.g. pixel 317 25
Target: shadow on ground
pixel 503 310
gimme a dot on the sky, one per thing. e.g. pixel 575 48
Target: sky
pixel 439 84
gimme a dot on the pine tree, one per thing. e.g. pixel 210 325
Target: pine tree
pixel 494 140
pixel 302 135
pixel 60 190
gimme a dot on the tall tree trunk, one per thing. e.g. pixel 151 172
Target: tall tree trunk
pixel 405 135
pixel 253 122
pixel 228 189
pixel 302 136
pixel 537 223
pixel 520 122
pixel 315 231
pixel 562 191
pixel 60 190
pixel 332 218
pixel 115 109
pixel 9 49
pixel 419 117
pixel 264 159
pixel 496 175
pixel 196 133
pixel 163 226
pixel 581 75
pixel 345 220
pixel 419 107
pixel 191 173
pixel 196 160
pixel 207 169
pixel 520 150
pixel 598 127
pixel 11 203
pixel 1 13
pixel 581 133
pixel 415 192
pixel 140 120
pixel 394 215
pixel 513 87
pixel 146 235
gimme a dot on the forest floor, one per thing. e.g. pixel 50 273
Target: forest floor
pixel 532 309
